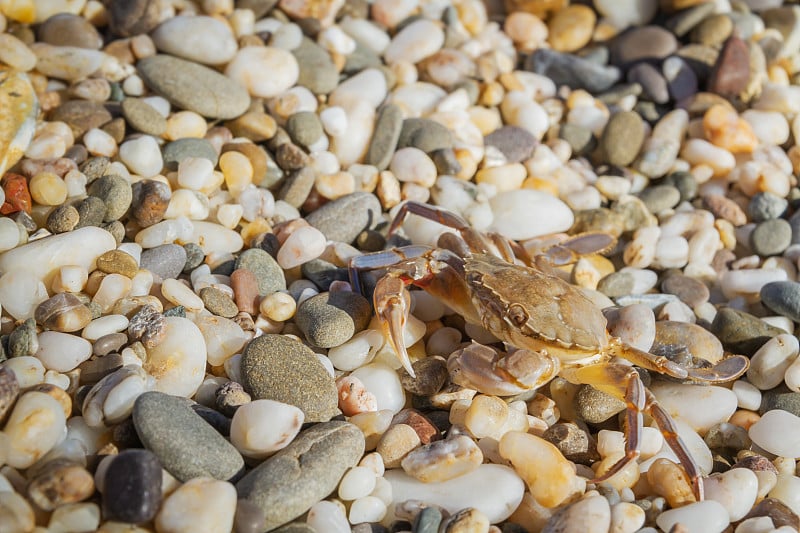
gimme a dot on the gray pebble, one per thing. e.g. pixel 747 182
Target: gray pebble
pixel 428 520
pixel 332 318
pixel 780 398
pixel 24 340
pixel 783 297
pixel 765 206
pixel 515 143
pixel 268 273
pixel 616 284
pixel 771 237
pixel 276 367
pixel 594 406
pixel 446 161
pixel 304 127
pixel 317 72
pixel 622 138
pixel 571 70
pixel 323 273
pixel 362 57
pixel 111 342
pixel 176 151
pixel 573 442
pixel 116 194
pixel 344 218
pixel 385 136
pixel 249 518
pixel 135 17
pixel 229 397
pixel 681 79
pixel 685 182
pixel 132 487
pixel 81 115
pixel 654 85
pixel 166 261
pixel 298 186
pixel 682 23
pixel 184 443
pixel 143 117
pixel 194 257
pixel 581 140
pixel 287 484
pixel 218 303
pixel 644 42
pixel 62 219
pixel 713 30
pixel 425 134
pixel 741 332
pixel 191 86
pixel 659 198
pixel 691 291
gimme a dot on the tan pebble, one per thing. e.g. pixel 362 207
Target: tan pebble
pixel 744 418
pixel 336 185
pixel 549 476
pixel 525 29
pixel 63 312
pixel 388 189
pixel 257 126
pixel 395 443
pixel 185 124
pixel 670 481
pixel 625 478
pixel 131 305
pixel 48 189
pixel 725 208
pixel 724 128
pixel 60 483
pixel 118 262
pixel 443 459
pixel 16 514
pixel 238 171
pixel 245 290
pixel 571 28
pixel 57 393
pixel 486 416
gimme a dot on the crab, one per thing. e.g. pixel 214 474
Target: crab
pixel 556 329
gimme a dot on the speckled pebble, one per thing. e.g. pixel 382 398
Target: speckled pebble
pixel 771 237
pixel 165 261
pixel 268 273
pixel 218 302
pixel 343 219
pixel 331 318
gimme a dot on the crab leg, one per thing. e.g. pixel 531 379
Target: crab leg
pixel 624 382
pixel 474 239
pixel 439 272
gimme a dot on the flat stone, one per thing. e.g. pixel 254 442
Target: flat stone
pixel 783 297
pixel 691 291
pixel 645 42
pixel 344 218
pixel 659 198
pixel 572 71
pixel 275 367
pixel 166 261
pixel 685 20
pixel 298 186
pixel 780 398
pixel 622 138
pixel 318 74
pixel 143 117
pixel 186 445
pixel 287 484
pixel 654 85
pixel 194 87
pixel 741 332
pixel 81 115
pixel 218 302
pixel 385 136
pixel 515 143
pixel 132 487
pixel 332 318
pixel 67 29
pixel 425 134
pixel 268 273
pixel 304 128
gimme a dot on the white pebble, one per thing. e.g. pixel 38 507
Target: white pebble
pixel 21 292
pixel 748 282
pixel 265 71
pixel 787 490
pixel 735 489
pixel 98 142
pixel 178 362
pixel 356 352
pixel 62 352
pixel 200 504
pixel 626 518
pixel 526 213
pixel 357 482
pixel 777 432
pixel 142 156
pixel 35 426
pixel 223 337
pixel 384 382
pixel 770 363
pixel 328 516
pixel 681 402
pixel 302 245
pixel 262 427
pixel 415 42
pixel 200 39
pixel 367 509
pixel 28 370
pixel 747 395
pixel 701 517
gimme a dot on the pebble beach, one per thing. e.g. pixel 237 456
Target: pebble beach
pixel 185 184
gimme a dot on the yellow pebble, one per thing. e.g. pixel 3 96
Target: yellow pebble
pixel 336 185
pixel 254 229
pixel 548 185
pixel 185 124
pixel 278 306
pixel 724 128
pixel 237 170
pixel 504 177
pixel 625 478
pixel 571 28
pixel 671 482
pixel 48 189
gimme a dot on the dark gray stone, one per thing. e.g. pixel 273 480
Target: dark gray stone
pixel 132 487
pixel 186 445
pixel 287 484
pixel 572 71
pixel 385 136
pixel 783 297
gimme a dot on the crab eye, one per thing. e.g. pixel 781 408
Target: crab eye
pixel 517 314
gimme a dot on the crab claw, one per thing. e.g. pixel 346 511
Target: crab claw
pixel 391 302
